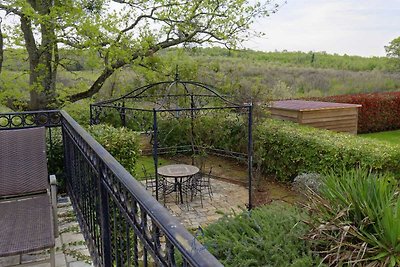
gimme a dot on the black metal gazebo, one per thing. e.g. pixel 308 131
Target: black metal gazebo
pixel 159 109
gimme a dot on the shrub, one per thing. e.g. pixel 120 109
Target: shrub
pixel 55 150
pixel 379 111
pixel 79 111
pixel 269 235
pixel 356 218
pixel 222 131
pixel 55 155
pixel 287 149
pixel 122 144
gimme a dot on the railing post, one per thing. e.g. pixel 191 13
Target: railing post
pixel 105 222
pixel 155 149
pixel 192 106
pixel 250 155
pixel 122 114
pixel 91 115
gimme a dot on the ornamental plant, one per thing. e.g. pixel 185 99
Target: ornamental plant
pixel 269 235
pixel 355 218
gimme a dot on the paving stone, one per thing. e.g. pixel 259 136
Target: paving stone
pixel 78 264
pixel 39 265
pixel 7 261
pixel 71 237
pixel 60 260
pixel 226 198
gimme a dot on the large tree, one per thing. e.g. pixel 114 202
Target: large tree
pixel 393 49
pixel 120 31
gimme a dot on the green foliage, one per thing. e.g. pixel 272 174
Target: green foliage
pixel 174 132
pixel 14 89
pixel 220 130
pixel 389 136
pixel 355 218
pixel 122 144
pixel 287 149
pixel 148 163
pixel 125 34
pixel 393 49
pixel 79 111
pixel 319 60
pixel 4 109
pixel 269 235
pixel 55 150
pixel 245 74
pixel 55 155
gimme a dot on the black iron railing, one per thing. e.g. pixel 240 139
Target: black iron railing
pixel 122 223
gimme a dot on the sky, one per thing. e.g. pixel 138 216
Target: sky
pixel 352 27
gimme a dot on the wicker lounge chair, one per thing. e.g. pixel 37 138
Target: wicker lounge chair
pixel 27 206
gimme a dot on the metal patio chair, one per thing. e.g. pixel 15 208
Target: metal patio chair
pixel 201 183
pixel 27 205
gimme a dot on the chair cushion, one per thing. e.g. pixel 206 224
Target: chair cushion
pixel 26 225
pixel 23 162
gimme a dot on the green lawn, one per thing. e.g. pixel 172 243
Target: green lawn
pixel 389 136
pixel 148 163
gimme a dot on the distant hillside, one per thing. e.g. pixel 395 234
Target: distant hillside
pixel 247 74
pixel 309 60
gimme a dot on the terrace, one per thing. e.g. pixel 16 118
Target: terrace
pixel 108 200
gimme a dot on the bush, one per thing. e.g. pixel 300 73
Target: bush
pixel 379 111
pixel 79 111
pixel 287 149
pixel 55 155
pixel 356 218
pixel 122 143
pixel 222 131
pixel 269 235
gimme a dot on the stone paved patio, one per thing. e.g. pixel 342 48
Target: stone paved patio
pixel 71 250
pixel 227 197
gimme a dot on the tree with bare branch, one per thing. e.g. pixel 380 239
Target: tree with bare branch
pixel 121 32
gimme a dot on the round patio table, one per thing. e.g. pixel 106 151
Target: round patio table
pixel 178 172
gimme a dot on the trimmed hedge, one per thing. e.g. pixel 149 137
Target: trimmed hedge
pixel 220 131
pixel 122 143
pixel 287 149
pixel 379 112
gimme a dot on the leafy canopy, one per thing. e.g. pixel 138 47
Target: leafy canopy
pixel 122 32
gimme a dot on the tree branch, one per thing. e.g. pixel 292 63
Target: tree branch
pixel 108 71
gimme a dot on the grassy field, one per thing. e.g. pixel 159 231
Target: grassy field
pixel 148 163
pixel 389 136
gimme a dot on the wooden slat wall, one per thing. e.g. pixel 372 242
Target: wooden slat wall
pixel 339 120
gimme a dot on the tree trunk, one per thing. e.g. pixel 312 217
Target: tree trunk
pixel 41 58
pixel 1 48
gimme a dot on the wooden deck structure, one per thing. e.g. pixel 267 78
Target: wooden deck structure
pixel 337 117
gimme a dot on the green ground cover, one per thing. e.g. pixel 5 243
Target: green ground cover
pixel 388 136
pixel 270 235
